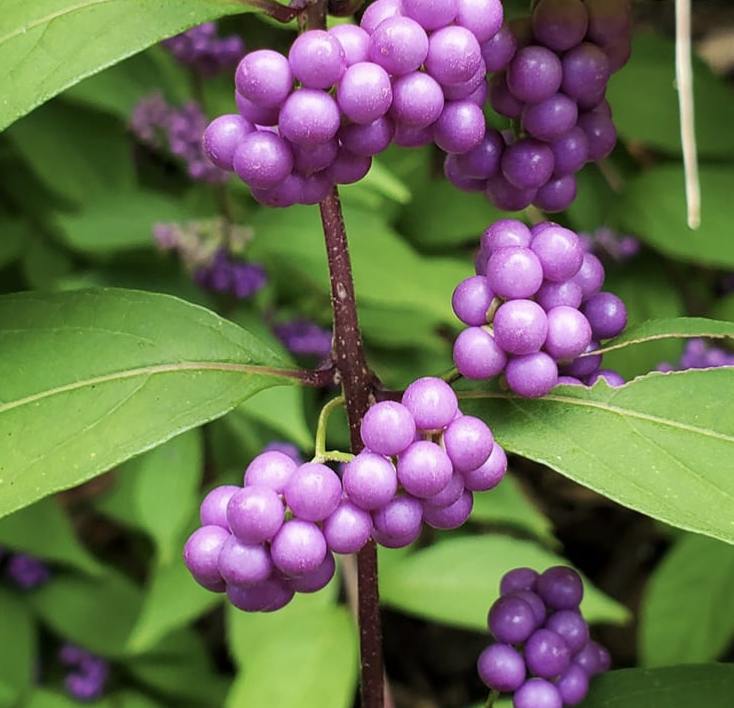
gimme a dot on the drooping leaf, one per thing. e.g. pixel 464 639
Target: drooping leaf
pixel 654 210
pixel 96 613
pixel 48 45
pixel 455 581
pixel 507 505
pixel 18 650
pixel 92 160
pixel 709 685
pixel 172 600
pixel 649 80
pixel 91 378
pixel 158 493
pixel 687 612
pixel 659 444
pixel 320 651
pixel 295 239
pixel 120 221
pixel 43 530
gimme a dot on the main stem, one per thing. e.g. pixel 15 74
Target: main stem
pixel 357 381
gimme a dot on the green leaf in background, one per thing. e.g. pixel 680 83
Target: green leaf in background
pixel 92 160
pixel 18 650
pixel 120 221
pixel 654 210
pixel 158 492
pixel 507 505
pixel 687 611
pixel 180 668
pixel 380 259
pixel 282 410
pixel 648 81
pixel 172 600
pixel 14 234
pixel 699 685
pixel 43 530
pixel 456 580
pixel 48 45
pixel 440 215
pixel 320 651
pixel 660 444
pixel 91 378
pixel 97 613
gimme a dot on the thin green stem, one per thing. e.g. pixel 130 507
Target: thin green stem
pixel 326 411
pixel 491 698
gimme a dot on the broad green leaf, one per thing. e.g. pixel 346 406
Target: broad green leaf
pixel 506 505
pixel 91 378
pixel 44 531
pixel 440 215
pixel 180 668
pixel 45 698
pixel 14 235
pixel 158 492
pixel 119 221
pixel 18 650
pixel 672 328
pixel 455 581
pixel 654 209
pixel 645 101
pixel 172 600
pixel 659 444
pixel 119 88
pixel 48 45
pixel 320 651
pixel 704 685
pixel 687 612
pixel 280 409
pixel 91 160
pixel 386 269
pixel 97 613
pixel 248 632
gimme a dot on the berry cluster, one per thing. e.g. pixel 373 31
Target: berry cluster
pixel 87 680
pixel 607 243
pixel 204 51
pixel 540 631
pixel 700 354
pixel 412 73
pixel 533 309
pixel 551 74
pixel 304 338
pixel 276 536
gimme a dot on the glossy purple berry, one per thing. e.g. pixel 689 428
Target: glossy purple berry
pixel 501 667
pixel 432 403
pixel 561 588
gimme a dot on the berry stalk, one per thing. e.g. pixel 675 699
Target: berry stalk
pixel 356 380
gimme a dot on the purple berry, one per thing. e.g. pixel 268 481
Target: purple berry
pixel 317 59
pixel 264 77
pixel 531 375
pixel 546 653
pixel 606 314
pixel 501 667
pixel 201 554
pixel 348 528
pixel 561 588
pixel 313 491
pixel 573 685
pixel 255 514
pixel 518 579
pixel 572 627
pixel 534 74
pixel 537 693
pixel 309 116
pixel 213 509
pixel 364 93
pixel 511 620
pixel 514 272
pixel 398 523
pixel 243 564
pixel 424 469
pixel 520 326
pixel 370 480
pixel 387 428
pixel 471 300
pixel 477 355
pixel 432 403
pixel 452 516
pixel 262 159
pixel 468 442
pixel 431 14
pixel 569 333
pixel 399 45
pixel 317 579
pixel 488 475
pixel 453 55
pixel 298 548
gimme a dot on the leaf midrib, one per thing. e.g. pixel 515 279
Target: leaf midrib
pixel 148 371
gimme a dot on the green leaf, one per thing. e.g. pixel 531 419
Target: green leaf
pixel 14 235
pixel 648 81
pixel 647 293
pixel 97 613
pixel 704 685
pixel 45 698
pixel 158 492
pixel 119 221
pixel 91 378
pixel 48 45
pixel 455 581
pixel 380 259
pixel 18 650
pixel 44 531
pixel 280 409
pixel 655 445
pixel 671 328
pixel 173 599
pixel 687 612
pixel 320 651
pixel 507 505
pixel 654 209
pixel 441 215
pixel 92 160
